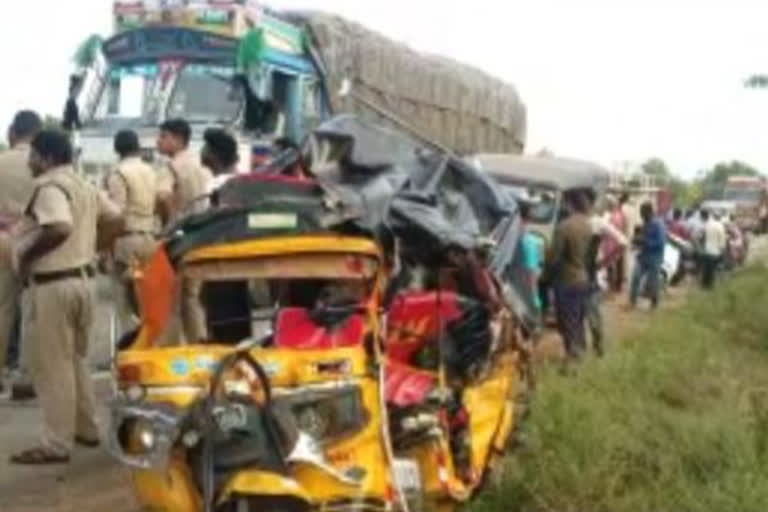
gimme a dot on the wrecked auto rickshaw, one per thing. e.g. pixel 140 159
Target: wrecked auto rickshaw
pixel 336 357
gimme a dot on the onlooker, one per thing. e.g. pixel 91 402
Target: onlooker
pixel 220 155
pixel 697 229
pixel 567 265
pixel 607 245
pixel 677 226
pixel 690 223
pixel 714 244
pixel 615 269
pixel 652 240
pixel 630 225
pixel 531 261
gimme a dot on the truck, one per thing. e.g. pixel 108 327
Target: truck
pixel 266 75
pixel 749 196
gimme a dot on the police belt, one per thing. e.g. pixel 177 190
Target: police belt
pixel 86 271
pixel 137 232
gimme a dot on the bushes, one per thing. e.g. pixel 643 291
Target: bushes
pixel 675 418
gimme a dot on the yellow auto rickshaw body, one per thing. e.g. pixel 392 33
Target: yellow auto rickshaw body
pixel 181 374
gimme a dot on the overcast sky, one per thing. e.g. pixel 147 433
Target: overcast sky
pixel 606 80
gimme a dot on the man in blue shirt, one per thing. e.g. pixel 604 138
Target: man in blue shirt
pixel 651 240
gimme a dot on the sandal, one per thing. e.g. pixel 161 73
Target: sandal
pixel 38 457
pixel 86 442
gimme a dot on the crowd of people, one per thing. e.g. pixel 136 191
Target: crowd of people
pixel 54 227
pixel 594 250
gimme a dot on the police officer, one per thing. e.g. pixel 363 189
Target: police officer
pixel 54 255
pixel 184 185
pixel 183 188
pixel 15 190
pixel 132 187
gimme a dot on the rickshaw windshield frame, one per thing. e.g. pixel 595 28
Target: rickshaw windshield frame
pixel 289 266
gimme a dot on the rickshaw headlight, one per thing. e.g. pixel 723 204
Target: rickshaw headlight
pixel 138 436
pixel 143 435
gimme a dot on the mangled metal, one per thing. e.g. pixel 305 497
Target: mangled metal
pixel 382 182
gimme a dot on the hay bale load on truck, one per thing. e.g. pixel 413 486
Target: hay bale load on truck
pixel 459 106
pixel 264 74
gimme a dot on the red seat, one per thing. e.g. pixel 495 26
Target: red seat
pixel 295 329
pixel 405 386
pixel 415 318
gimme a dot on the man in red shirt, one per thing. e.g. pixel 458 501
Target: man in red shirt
pixel 676 226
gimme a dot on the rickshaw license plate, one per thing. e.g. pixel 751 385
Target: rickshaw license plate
pixel 273 221
pixel 407 475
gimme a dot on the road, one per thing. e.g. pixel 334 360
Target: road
pixel 93 482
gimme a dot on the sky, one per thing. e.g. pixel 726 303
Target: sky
pixel 604 80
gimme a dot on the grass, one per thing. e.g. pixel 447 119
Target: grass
pixel 675 418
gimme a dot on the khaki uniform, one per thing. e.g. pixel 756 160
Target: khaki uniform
pixel 132 187
pixel 189 182
pixel 16 187
pixel 58 309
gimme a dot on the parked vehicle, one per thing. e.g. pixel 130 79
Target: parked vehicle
pixel 679 260
pixel 543 179
pixel 749 194
pixel 266 74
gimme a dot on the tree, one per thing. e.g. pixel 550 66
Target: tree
pixel 724 170
pixel 678 188
pixel 656 167
pixel 712 181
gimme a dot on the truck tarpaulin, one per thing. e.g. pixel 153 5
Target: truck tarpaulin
pixel 459 106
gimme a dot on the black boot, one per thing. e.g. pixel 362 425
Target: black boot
pixel 22 392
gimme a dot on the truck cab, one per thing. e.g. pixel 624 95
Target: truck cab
pixel 749 195
pixel 215 63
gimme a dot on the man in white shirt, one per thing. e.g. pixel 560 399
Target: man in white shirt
pixel 631 221
pixel 602 231
pixel 714 244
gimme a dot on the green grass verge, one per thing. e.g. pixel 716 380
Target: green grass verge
pixel 674 418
